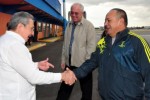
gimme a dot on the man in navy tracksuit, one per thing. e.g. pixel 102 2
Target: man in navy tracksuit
pixel 123 61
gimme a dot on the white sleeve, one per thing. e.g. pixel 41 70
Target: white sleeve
pixel 20 60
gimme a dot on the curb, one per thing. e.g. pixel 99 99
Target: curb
pixel 50 39
pixel 43 42
pixel 36 46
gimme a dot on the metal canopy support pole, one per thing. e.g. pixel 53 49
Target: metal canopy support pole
pixel 64 17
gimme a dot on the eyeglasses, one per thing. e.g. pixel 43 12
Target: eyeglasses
pixel 76 13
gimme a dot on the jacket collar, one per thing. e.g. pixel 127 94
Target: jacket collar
pixel 119 35
pixel 122 34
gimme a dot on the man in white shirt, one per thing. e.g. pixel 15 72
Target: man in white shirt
pixel 18 73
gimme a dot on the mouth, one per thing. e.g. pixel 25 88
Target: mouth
pixel 106 29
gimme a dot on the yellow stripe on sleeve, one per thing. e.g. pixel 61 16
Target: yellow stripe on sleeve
pixel 146 46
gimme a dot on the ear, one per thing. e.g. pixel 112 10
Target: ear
pixel 19 27
pixel 121 21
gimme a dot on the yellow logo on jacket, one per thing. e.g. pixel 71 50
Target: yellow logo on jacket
pixel 101 45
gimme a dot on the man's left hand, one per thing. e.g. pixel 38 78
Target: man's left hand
pixel 45 65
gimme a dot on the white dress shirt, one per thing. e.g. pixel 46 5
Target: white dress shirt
pixel 18 73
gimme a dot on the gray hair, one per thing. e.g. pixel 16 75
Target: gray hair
pixel 80 5
pixel 19 17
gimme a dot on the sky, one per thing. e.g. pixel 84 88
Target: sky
pixel 138 11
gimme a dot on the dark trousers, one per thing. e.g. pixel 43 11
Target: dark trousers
pixel 85 84
pixel 86 88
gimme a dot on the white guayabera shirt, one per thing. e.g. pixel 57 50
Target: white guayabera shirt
pixel 18 73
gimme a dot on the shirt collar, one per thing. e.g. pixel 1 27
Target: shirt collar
pixel 17 36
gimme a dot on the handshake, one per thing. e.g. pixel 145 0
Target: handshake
pixel 68 77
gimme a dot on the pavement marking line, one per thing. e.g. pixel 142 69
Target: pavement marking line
pixel 36 46
pixel 50 39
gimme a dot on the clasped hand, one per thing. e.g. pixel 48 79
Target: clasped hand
pixel 68 77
